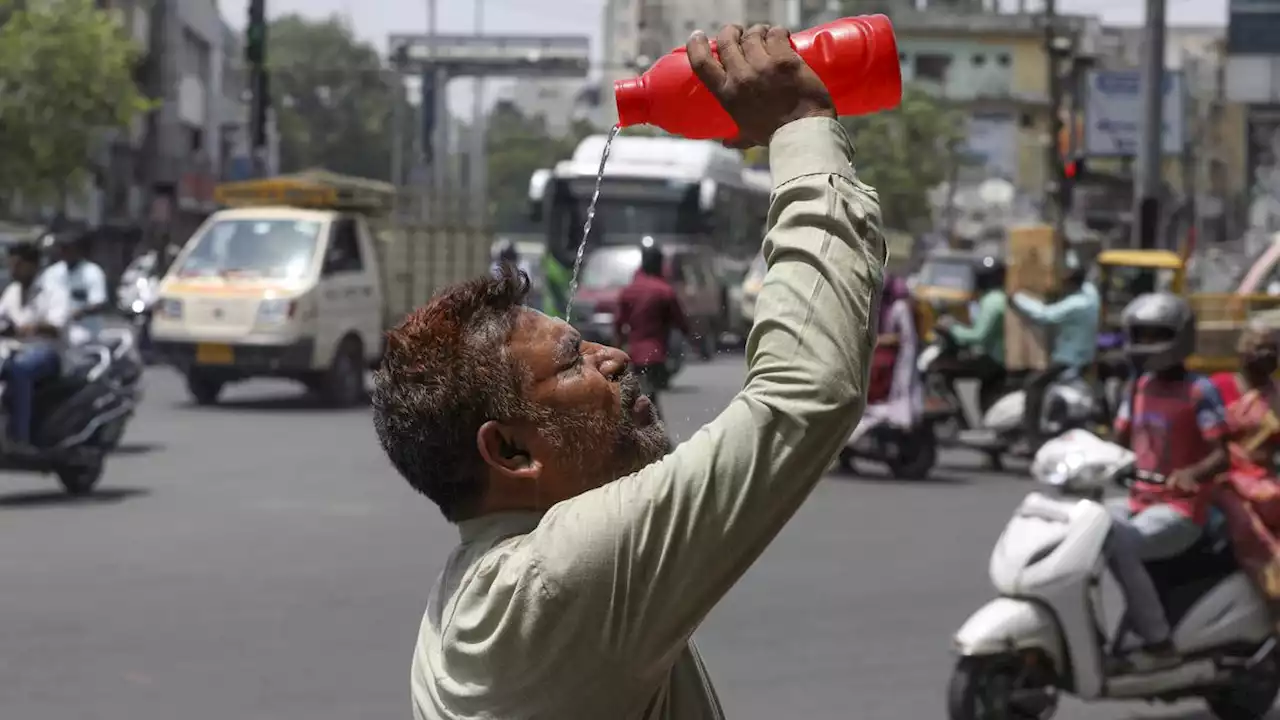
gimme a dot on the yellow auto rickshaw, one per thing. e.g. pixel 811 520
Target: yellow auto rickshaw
pixel 945 285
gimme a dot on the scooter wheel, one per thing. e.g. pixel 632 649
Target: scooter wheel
pixel 1249 697
pixel 80 479
pixel 982 688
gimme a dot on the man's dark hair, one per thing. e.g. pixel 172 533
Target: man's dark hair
pixel 26 251
pixel 445 373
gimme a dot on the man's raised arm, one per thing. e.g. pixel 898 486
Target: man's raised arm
pixel 638 564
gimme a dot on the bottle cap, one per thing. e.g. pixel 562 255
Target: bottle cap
pixel 633 101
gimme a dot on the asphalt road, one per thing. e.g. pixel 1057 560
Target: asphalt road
pixel 261 561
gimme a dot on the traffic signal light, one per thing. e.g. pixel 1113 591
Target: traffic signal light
pixel 255 49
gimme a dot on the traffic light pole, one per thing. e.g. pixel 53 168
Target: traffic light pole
pixel 1151 147
pixel 256 57
pixel 1055 170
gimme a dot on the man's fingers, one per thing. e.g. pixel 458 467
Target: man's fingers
pixel 777 42
pixel 704 62
pixel 729 44
pixel 753 48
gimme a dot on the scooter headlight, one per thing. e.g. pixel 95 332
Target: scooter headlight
pixel 138 306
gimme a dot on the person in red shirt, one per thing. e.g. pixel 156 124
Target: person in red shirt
pixel 1175 424
pixel 648 310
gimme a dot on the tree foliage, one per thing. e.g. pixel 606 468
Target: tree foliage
pixel 334 99
pixel 518 146
pixel 905 152
pixel 66 75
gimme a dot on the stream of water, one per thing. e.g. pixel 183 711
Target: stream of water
pixel 586 226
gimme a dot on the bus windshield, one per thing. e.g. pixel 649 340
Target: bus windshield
pixel 277 249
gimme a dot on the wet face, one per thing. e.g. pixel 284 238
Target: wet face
pixel 591 423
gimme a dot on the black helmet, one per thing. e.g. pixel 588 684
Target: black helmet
pixel 1159 331
pixel 990 272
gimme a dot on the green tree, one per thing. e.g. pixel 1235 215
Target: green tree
pixel 518 146
pixel 66 75
pixel 334 99
pixel 905 152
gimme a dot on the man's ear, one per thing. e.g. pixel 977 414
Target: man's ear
pixel 503 451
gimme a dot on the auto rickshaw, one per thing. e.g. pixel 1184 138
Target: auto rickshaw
pixel 945 285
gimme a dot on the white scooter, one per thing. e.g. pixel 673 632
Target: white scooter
pixel 1068 404
pixel 1046 633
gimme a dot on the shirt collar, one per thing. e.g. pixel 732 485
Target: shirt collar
pixel 496 525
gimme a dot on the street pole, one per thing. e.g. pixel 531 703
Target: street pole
pixel 479 146
pixel 1053 169
pixel 1151 147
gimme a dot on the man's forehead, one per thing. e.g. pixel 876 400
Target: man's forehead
pixel 536 330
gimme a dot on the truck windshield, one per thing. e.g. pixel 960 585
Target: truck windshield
pixel 280 249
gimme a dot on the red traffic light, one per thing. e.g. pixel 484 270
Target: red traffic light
pixel 1071 169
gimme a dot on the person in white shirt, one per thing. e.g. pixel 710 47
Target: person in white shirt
pixel 86 286
pixel 38 312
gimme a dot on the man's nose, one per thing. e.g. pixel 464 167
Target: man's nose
pixel 611 361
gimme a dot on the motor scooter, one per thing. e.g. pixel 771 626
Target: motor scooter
pixel 1046 632
pixel 997 430
pixel 909 453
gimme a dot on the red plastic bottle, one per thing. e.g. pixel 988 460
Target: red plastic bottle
pixel 856 57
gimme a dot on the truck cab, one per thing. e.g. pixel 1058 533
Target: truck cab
pixel 284 282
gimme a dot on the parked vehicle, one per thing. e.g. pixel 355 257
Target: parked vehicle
pixel 1044 634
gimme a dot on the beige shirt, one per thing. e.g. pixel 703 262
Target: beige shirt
pixel 586 612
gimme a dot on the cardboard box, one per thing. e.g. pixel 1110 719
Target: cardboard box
pixel 1032 269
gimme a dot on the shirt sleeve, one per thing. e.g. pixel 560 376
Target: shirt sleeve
pixel 1052 314
pixel 1124 414
pixel 96 279
pixel 1211 414
pixel 57 305
pixel 641 561
pixel 988 313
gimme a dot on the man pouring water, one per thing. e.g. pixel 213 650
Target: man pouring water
pixel 587 559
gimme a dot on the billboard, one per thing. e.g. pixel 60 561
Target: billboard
pixel 507 55
pixel 1113 113
pixel 992 145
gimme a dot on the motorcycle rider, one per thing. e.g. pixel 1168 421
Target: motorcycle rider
pixel 648 310
pixel 38 311
pixel 986 335
pixel 1174 422
pixel 1073 321
pixel 85 282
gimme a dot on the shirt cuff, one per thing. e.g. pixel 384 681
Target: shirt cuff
pixel 809 146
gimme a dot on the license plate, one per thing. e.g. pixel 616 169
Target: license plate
pixel 211 354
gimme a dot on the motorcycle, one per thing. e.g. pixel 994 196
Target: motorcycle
pixel 125 371
pixel 997 430
pixel 1045 633
pixel 136 297
pixel 74 415
pixel 910 453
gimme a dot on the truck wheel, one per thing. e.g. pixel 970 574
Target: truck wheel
pixel 203 388
pixel 78 480
pixel 343 383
